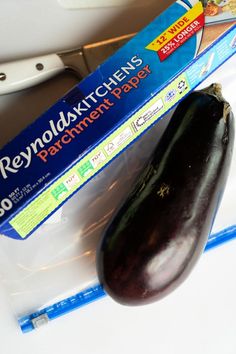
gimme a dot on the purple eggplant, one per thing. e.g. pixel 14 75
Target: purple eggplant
pixel 159 233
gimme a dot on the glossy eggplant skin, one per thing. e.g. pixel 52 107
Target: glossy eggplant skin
pixel 160 231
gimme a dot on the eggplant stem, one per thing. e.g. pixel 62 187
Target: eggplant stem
pixel 215 90
pixel 226 111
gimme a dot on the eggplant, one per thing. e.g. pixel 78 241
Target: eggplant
pixel 158 234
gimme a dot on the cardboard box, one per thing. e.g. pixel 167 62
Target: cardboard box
pixel 99 118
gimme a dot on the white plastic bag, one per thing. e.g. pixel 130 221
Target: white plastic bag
pixel 58 260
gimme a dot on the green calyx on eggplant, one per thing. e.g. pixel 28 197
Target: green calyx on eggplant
pixel 159 233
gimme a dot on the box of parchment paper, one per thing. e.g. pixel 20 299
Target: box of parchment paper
pixel 99 118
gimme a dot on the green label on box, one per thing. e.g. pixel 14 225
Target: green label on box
pixel 59 191
pixel 85 169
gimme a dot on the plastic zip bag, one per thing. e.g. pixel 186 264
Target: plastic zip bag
pixel 58 260
pixel 54 272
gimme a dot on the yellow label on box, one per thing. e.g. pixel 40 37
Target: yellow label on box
pixel 178 26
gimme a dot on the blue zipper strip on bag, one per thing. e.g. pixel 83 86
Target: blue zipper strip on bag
pixel 221 237
pixel 96 292
pixel 42 317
